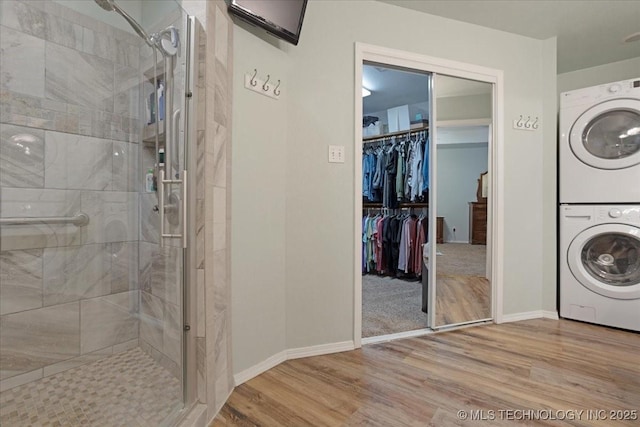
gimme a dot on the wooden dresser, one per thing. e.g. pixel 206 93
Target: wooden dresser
pixel 477 223
pixel 440 229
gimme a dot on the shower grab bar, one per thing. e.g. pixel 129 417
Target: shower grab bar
pixel 79 220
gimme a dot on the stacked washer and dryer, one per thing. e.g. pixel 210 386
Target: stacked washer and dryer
pixel 599 217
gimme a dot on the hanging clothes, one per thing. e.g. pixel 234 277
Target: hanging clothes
pixel 417 179
pixel 393 245
pixel 393 172
pixel 378 176
pixel 400 170
pixel 421 239
pixel 369 164
pixel 380 264
pixel 364 244
pixel 425 167
pixel 390 199
pixel 409 173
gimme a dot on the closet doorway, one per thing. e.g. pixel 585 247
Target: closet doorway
pixel 412 214
pixel 394 198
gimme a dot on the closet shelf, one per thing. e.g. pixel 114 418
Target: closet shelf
pixel 400 133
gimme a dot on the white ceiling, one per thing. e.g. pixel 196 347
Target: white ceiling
pixel 589 33
pixel 391 88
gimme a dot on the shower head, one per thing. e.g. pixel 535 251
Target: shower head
pixel 112 6
pixel 106 5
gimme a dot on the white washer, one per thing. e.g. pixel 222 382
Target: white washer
pixel 600 264
pixel 600 144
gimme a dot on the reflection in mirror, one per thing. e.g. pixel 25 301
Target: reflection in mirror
pixel 463 289
pixel 483 187
pixel 394 197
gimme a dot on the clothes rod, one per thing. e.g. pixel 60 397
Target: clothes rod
pixel 392 134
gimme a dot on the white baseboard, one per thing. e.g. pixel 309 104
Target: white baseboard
pixel 528 315
pixel 292 353
pixel 458 241
pixel 255 370
pixel 318 350
pixel 399 335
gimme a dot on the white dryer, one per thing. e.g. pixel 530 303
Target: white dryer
pixel 600 144
pixel 600 264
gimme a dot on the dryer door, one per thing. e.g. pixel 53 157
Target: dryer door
pixel 606 260
pixel 607 136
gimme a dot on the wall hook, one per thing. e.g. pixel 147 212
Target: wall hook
pixel 520 124
pixel 265 86
pixel 276 91
pixel 535 124
pixel 527 123
pixel 253 78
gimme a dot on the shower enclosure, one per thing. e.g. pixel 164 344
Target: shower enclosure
pixel 93 211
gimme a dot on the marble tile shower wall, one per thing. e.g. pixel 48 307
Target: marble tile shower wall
pixel 69 127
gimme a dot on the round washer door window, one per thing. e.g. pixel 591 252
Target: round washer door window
pixel 607 136
pixel 606 260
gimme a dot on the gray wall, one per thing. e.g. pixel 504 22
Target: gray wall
pixel 259 187
pixel 465 107
pixel 621 70
pixel 548 203
pixel 459 167
pixel 319 197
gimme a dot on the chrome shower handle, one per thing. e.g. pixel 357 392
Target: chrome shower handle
pixel 175 137
pixel 161 182
pixel 185 208
pixel 183 182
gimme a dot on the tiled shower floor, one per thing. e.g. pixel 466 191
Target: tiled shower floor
pixel 126 389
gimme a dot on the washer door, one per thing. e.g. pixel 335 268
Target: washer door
pixel 606 260
pixel 607 136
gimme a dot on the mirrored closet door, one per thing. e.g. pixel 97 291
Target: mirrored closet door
pixel 459 265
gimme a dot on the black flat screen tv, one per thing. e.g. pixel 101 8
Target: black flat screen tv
pixel 282 18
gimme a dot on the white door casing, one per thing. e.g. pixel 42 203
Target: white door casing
pixel 495 226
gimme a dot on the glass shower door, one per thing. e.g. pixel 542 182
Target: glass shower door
pixel 91 298
pixel 163 210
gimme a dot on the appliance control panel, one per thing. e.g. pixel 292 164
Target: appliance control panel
pixel 626 214
pixel 621 89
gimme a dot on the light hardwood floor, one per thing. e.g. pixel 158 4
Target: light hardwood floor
pixel 461 298
pixel 463 293
pixel 523 366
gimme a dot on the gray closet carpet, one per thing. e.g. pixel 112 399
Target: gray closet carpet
pixel 392 305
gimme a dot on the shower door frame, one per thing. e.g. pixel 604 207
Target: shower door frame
pixel 189 256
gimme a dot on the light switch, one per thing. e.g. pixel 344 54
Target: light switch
pixel 336 154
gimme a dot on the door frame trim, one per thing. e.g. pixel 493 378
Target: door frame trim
pixel 495 227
